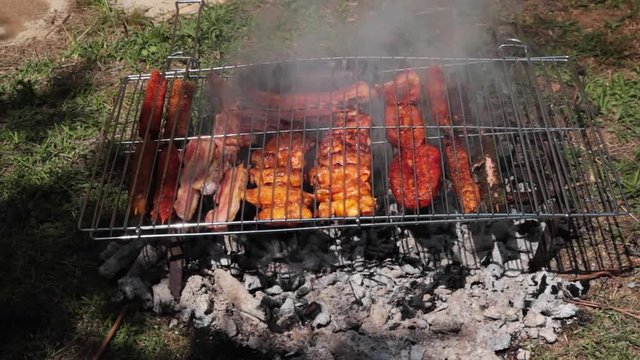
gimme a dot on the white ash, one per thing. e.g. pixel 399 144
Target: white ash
pixel 345 314
pixel 441 292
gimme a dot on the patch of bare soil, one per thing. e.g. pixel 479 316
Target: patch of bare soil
pixel 22 20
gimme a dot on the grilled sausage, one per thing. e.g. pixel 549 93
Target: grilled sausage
pixel 359 92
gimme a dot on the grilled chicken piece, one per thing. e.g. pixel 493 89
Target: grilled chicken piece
pixel 277 195
pixel 348 188
pixel 140 180
pixel 283 151
pixel 167 169
pixel 349 158
pixel 152 106
pixel 460 171
pixel 324 176
pixel 337 142
pixel 342 175
pixel 179 110
pixel 414 177
pixel 363 206
pixel 284 212
pixel 203 166
pixel 228 197
pixel 405 127
pixel 405 88
pixel 280 176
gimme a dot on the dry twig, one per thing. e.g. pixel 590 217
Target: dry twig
pixel 111 333
pixel 628 312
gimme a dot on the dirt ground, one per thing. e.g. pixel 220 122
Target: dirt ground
pixel 22 20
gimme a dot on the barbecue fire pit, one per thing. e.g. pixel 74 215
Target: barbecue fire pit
pixel 447 166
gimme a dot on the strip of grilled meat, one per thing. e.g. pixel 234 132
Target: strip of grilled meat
pixel 152 106
pixel 167 170
pixel 231 192
pixel 463 184
pixel 458 159
pixel 179 109
pixel 141 173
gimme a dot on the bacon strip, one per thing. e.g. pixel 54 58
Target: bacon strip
pixel 228 197
pixel 140 179
pixel 152 106
pixel 201 172
pixel 179 110
pixel 168 168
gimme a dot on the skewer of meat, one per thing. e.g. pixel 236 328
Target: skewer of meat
pixel 457 157
pixel 140 180
pixel 167 170
pixel 152 106
pixel 179 110
pixel 484 153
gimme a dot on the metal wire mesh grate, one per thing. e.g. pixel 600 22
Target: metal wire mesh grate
pixel 521 114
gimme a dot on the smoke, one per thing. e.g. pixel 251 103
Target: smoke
pixel 300 29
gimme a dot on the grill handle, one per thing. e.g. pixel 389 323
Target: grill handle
pixel 513 48
pixel 188 57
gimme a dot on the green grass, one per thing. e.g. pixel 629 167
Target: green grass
pixel 53 304
pixel 618 97
pixel 608 336
pixel 611 77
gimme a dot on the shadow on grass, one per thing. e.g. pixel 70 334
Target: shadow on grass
pixel 53 303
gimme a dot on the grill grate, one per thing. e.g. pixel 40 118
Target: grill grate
pixel 519 115
pixel 523 113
